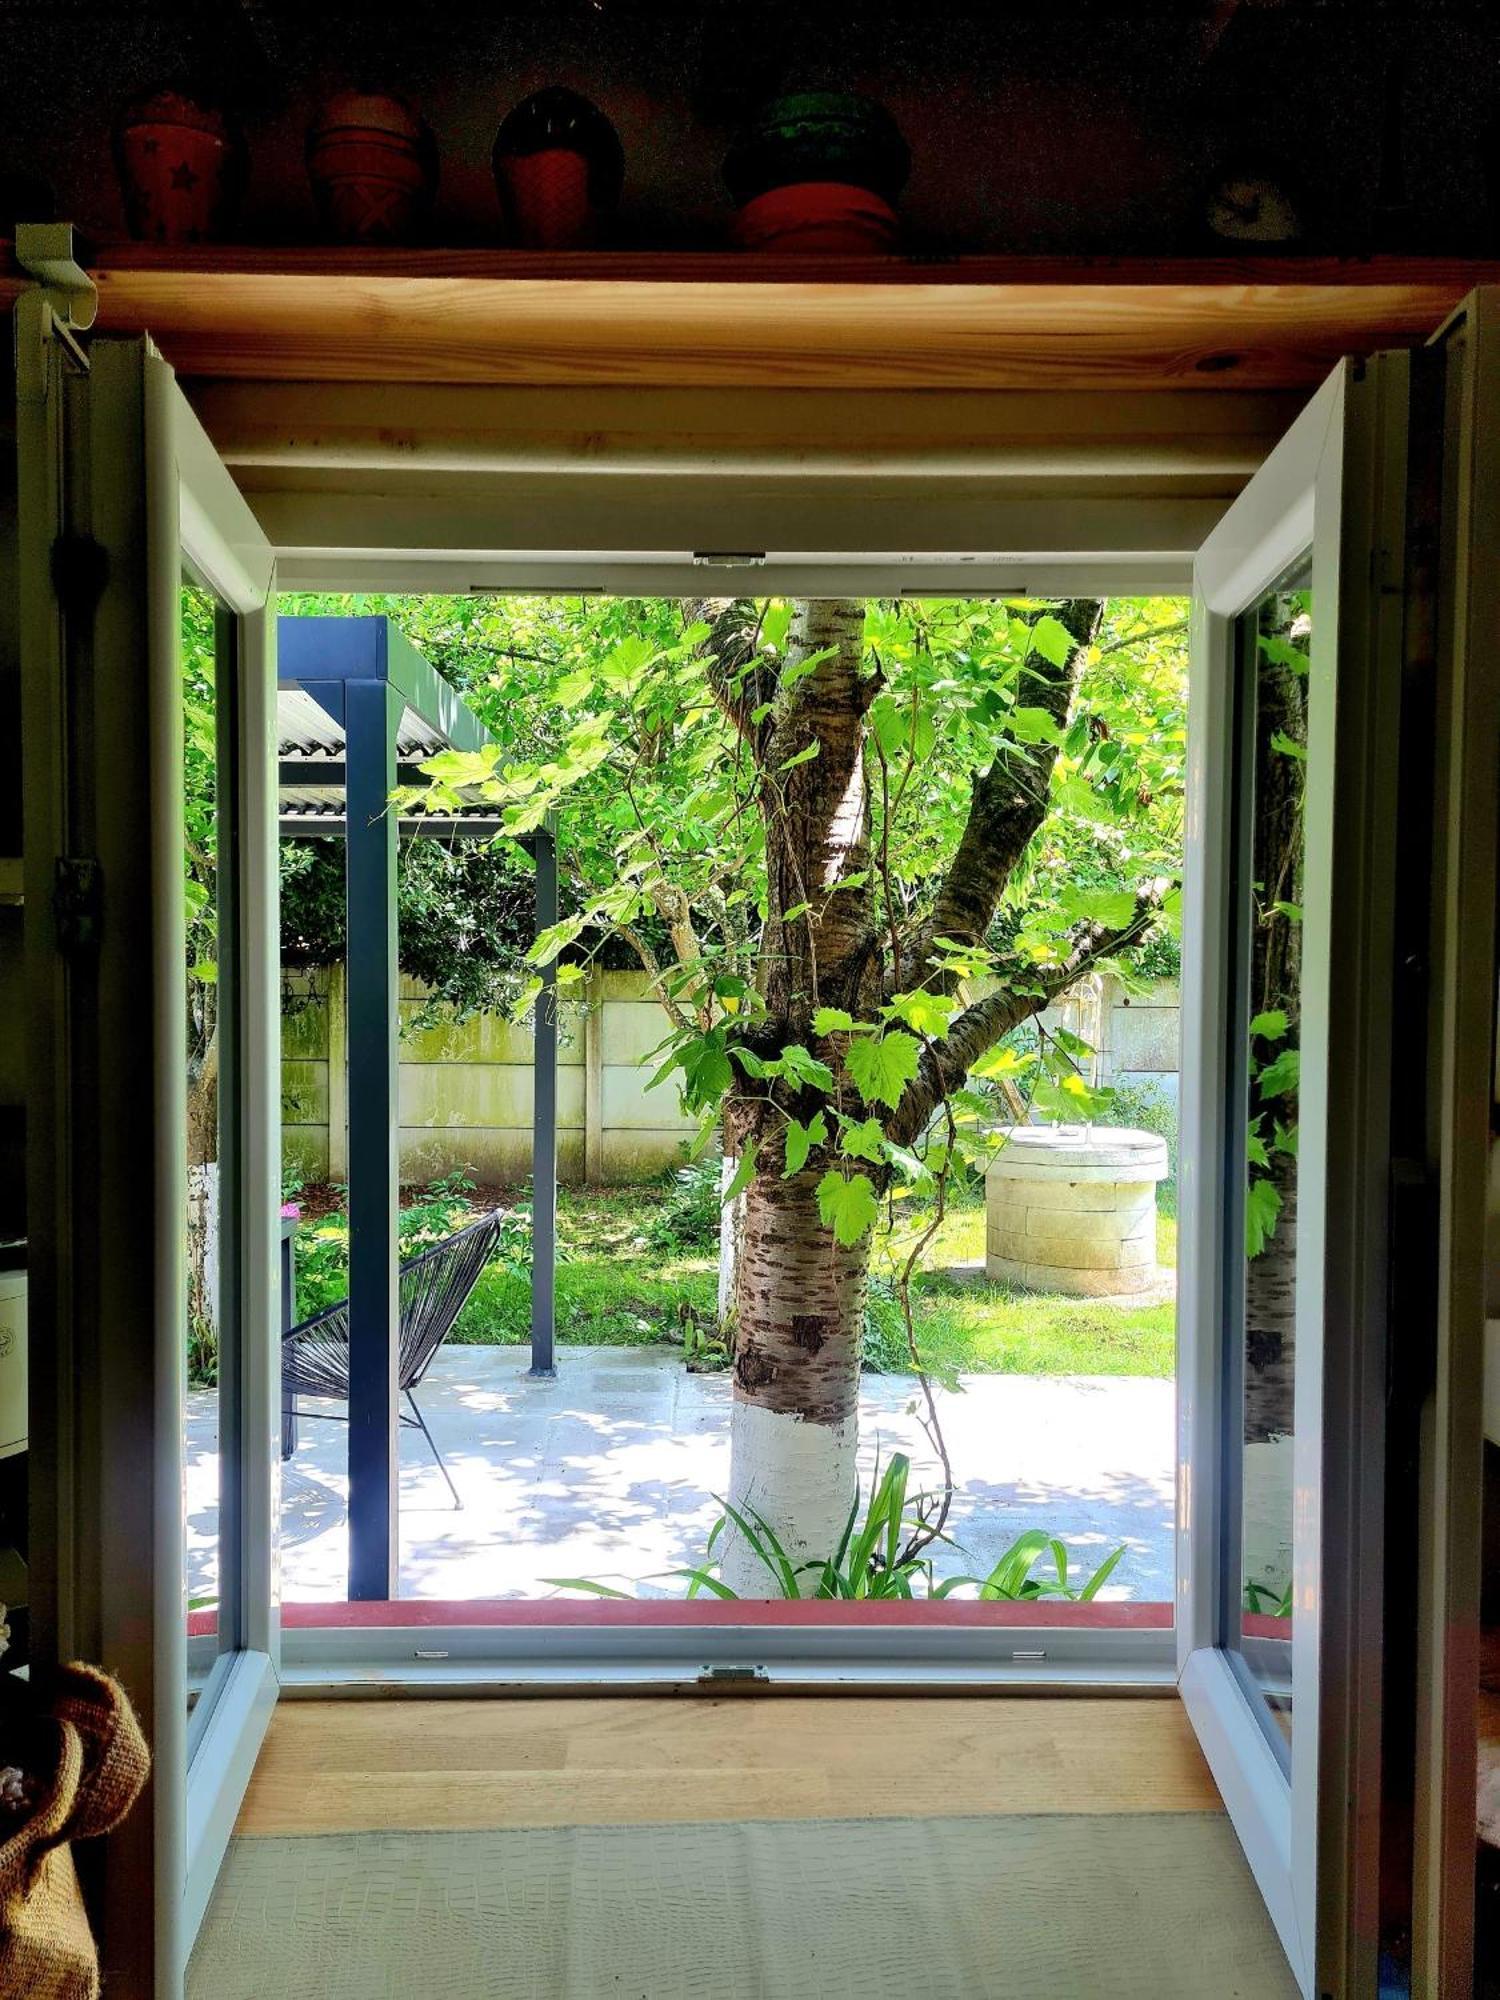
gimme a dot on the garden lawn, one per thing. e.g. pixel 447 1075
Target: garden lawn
pixel 623 1281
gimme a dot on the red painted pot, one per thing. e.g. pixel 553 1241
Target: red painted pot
pixel 373 167
pixel 180 168
pixel 546 198
pixel 818 218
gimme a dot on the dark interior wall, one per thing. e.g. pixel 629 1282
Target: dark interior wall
pixel 1074 125
pixel 12 1010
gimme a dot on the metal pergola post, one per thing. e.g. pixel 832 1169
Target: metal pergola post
pixel 372 715
pixel 388 709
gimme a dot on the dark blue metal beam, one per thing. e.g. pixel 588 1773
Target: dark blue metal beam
pixel 544 1124
pixel 373 711
pixel 371 648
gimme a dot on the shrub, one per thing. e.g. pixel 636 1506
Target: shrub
pixel 1146 1107
pixel 688 1217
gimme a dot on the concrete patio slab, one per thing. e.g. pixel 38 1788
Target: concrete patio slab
pixel 609 1472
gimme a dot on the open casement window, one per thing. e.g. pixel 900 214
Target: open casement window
pixel 1339 778
pixel 1314 1213
pixel 153 1037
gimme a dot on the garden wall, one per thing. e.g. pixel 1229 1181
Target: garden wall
pixel 1140 1036
pixel 1136 1036
pixel 466 1087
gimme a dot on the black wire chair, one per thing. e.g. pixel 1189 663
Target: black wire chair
pixel 433 1288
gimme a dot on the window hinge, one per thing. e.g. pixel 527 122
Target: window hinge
pixel 734 1677
pixel 77 903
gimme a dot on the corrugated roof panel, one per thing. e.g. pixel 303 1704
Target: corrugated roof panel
pixel 303 729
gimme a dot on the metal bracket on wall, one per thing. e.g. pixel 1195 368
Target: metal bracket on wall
pixel 64 303
pixel 44 251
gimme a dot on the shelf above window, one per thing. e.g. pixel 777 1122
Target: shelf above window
pixel 727 320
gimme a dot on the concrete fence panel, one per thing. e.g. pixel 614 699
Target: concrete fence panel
pixel 466 1087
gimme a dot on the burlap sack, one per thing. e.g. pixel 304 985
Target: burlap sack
pixel 88 1749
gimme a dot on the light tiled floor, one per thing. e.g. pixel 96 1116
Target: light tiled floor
pixel 610 1472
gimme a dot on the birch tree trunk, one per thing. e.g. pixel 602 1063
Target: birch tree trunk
pixel 798 1293
pixel 795 1426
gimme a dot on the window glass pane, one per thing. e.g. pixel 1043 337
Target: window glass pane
pixel 1275 639
pixel 208 991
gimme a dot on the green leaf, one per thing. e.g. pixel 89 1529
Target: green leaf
pixel 848 1207
pixel 1033 725
pixel 1110 907
pixel 890 726
pixel 587 1585
pixel 803 1067
pixel 883 1068
pixel 800 1140
pixel 1281 1077
pixel 1052 639
pixel 832 1021
pixel 573 688
pixel 744 1173
pixel 1004 1062
pixel 862 1139
pixel 1262 1206
pixel 803 756
pixel 1270 1026
pixel 1288 748
pixel 706 1072
pixel 555 938
pixel 929 1013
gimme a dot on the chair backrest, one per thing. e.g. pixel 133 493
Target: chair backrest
pixel 434 1287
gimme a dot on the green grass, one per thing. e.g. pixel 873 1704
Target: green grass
pixel 617 1286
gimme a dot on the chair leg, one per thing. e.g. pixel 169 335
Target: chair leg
pixel 422 1425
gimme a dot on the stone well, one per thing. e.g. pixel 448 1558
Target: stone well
pixel 1073 1209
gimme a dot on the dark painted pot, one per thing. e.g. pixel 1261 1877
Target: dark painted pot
pixel 559 167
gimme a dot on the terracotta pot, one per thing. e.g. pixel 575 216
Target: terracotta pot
pixel 373 167
pixel 818 217
pixel 559 168
pixel 818 171
pixel 180 166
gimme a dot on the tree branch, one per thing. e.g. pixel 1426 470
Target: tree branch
pixel 945 1064
pixel 1008 802
pixel 739 681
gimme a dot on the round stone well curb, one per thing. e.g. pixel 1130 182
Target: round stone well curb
pixel 1072 1208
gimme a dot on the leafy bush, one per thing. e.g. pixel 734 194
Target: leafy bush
pixel 1146 1107
pixel 884 1349
pixel 688 1217
pixel 322 1259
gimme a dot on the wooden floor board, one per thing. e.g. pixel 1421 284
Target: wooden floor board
pixel 340 1767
